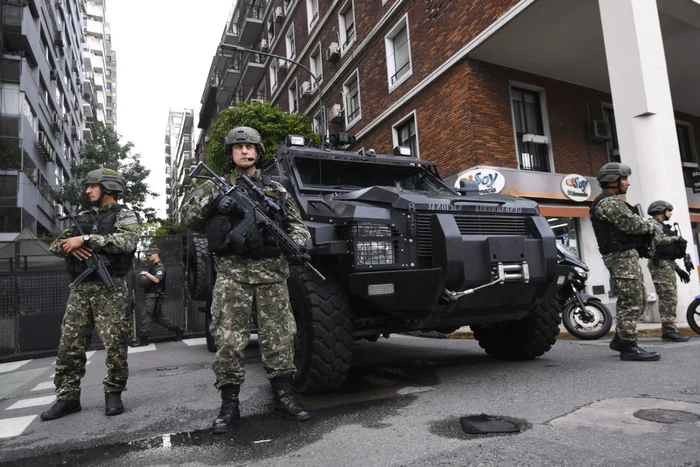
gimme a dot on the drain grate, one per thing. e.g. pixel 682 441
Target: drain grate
pixel 666 416
pixel 483 424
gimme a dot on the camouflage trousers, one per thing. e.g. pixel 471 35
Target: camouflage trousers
pixel 664 277
pixel 232 307
pixel 631 294
pixel 91 306
pixel 153 313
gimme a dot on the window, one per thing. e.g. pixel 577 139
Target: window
pixel 613 145
pixel 108 72
pixel 109 113
pixel 405 134
pixel 109 86
pixel 108 60
pixel 533 152
pixel 109 99
pixel 316 67
pixel 270 31
pixel 346 21
pixel 312 12
pixel 287 4
pixel 351 91
pixel 316 125
pixel 10 70
pixel 273 75
pixel 293 98
pixel 686 146
pixel 291 49
pixel 398 54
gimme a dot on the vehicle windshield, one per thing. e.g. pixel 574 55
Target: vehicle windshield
pixel 343 175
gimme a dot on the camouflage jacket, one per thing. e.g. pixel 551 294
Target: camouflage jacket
pixel 127 230
pixel 661 239
pixel 616 211
pixel 197 209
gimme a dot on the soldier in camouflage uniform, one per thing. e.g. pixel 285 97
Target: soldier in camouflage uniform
pixel 154 289
pixel 112 230
pixel 620 232
pixel 249 276
pixel 669 247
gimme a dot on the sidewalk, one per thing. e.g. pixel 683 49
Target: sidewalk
pixel 643 329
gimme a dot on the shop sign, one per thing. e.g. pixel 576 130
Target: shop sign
pixel 489 180
pixel 696 181
pixel 576 187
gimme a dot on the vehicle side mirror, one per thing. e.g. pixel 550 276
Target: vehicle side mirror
pixel 468 187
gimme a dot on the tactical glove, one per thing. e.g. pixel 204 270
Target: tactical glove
pixel 223 203
pixel 685 277
pixel 301 258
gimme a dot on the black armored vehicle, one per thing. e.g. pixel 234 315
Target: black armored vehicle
pixel 401 251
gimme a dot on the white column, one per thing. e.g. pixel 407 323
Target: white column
pixel 644 115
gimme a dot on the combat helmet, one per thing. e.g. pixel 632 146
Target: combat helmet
pixel 109 179
pixel 613 171
pixel 152 250
pixel 659 207
pixel 143 281
pixel 244 134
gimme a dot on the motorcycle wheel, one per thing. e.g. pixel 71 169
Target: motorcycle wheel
pixel 693 315
pixel 592 323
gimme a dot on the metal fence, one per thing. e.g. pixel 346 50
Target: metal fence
pixel 34 291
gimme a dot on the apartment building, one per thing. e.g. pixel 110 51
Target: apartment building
pixel 95 58
pixel 529 97
pixel 178 159
pixel 41 110
pixel 110 80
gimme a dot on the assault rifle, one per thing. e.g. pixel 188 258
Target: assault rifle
pixel 646 246
pixel 254 213
pixel 687 261
pixel 95 262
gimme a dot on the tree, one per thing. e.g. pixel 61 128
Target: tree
pixel 272 123
pixel 106 151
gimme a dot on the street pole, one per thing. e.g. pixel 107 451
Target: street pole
pixel 238 48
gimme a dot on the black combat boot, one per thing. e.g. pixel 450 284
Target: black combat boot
pixel 179 333
pixel 673 336
pixel 229 409
pixel 140 342
pixel 113 403
pixel 631 352
pixel 617 344
pixel 284 400
pixel 62 408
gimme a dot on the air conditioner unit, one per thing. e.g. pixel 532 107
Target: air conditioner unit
pixel 263 45
pixel 599 130
pixel 305 89
pixel 56 117
pixel 279 14
pixel 57 210
pixel 336 113
pixel 282 64
pixel 536 139
pixel 333 52
pixel 53 75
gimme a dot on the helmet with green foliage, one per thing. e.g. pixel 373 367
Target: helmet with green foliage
pixel 143 281
pixel 244 134
pixel 613 171
pixel 108 178
pixel 659 207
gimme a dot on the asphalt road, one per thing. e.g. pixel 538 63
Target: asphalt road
pixel 577 405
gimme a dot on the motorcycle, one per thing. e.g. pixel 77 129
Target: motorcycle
pixel 583 315
pixel 693 314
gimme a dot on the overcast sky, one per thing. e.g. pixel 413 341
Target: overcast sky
pixel 164 51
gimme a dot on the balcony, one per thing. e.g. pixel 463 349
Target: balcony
pixel 87 110
pixel 15 25
pixel 253 69
pixel 10 153
pixel 250 24
pixel 87 134
pixel 230 36
pixel 168 159
pixel 232 75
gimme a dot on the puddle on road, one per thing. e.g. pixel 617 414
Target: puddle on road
pixel 369 395
pixel 451 428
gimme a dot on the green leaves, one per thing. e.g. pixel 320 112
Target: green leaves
pixel 272 123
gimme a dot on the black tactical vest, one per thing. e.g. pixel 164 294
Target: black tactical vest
pixel 672 251
pixel 158 288
pixel 610 238
pixel 259 243
pixel 100 223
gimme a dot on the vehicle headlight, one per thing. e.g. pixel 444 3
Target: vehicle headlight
pixel 581 272
pixel 373 244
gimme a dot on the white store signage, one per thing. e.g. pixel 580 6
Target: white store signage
pixel 576 187
pixel 489 180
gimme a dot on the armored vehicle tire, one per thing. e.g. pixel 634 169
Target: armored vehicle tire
pixel 322 346
pixel 207 321
pixel 522 339
pixel 197 268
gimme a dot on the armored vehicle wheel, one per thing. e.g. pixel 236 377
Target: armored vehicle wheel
pixel 197 268
pixel 522 339
pixel 322 346
pixel 207 321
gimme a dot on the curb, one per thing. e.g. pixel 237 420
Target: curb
pixel 643 330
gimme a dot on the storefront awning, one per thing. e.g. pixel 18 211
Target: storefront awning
pixel 550 210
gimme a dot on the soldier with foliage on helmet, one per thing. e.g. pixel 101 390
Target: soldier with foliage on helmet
pixel 112 230
pixel 251 276
pixel 153 283
pixel 620 232
pixel 669 247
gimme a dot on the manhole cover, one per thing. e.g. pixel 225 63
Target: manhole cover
pixel 666 416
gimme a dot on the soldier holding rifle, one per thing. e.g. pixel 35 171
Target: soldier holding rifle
pixel 98 249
